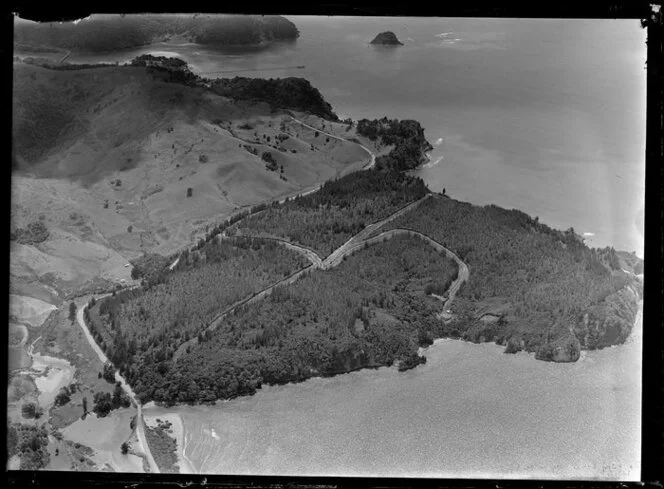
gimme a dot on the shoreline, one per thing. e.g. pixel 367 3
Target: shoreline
pixel 185 465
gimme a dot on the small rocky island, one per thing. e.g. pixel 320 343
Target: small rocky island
pixel 387 38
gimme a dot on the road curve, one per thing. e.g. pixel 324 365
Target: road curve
pixel 337 255
pixel 308 253
pixel 463 273
pixel 140 427
pixel 372 156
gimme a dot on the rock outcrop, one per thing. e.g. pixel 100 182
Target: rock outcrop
pixel 611 321
pixel 387 38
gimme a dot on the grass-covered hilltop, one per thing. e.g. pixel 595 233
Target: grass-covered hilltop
pixel 109 32
pixel 360 273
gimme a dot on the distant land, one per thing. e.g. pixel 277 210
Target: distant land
pixel 387 38
pixel 110 32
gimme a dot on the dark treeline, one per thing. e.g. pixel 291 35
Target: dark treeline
pixel 140 329
pixel 371 310
pixel 407 137
pixel 547 280
pixel 101 33
pixel 54 65
pixel 288 93
pixel 325 219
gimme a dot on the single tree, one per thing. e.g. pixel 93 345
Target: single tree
pixel 124 448
pixel 85 406
pixel 190 192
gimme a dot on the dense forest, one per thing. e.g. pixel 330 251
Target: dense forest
pixel 406 136
pixel 325 219
pixel 140 329
pixel 100 33
pixel 543 287
pixel 288 93
pixel 371 310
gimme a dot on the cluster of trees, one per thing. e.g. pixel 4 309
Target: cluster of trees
pixel 289 93
pixel 165 62
pixel 30 443
pixel 64 396
pixel 150 267
pixel 31 410
pixel 164 448
pixel 172 70
pixel 141 329
pixel 325 219
pixel 369 311
pixel 407 137
pixel 105 402
pixel 270 162
pixel 36 232
pixel 550 278
pixel 101 33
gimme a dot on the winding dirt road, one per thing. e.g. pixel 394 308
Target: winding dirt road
pixel 358 240
pixel 140 426
pixel 372 156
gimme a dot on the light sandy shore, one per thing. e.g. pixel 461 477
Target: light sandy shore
pixel 178 433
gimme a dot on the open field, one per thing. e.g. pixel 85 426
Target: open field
pixel 30 311
pixel 105 436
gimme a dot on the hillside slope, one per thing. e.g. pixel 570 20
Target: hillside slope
pixel 118 160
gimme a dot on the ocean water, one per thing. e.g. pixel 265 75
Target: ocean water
pixel 470 411
pixel 547 116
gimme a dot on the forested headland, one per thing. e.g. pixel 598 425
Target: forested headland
pixel 406 136
pixel 531 287
pixel 110 32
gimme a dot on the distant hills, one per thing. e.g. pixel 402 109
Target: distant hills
pixel 100 33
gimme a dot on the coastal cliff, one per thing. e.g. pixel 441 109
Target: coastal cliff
pixel 387 38
pixel 410 147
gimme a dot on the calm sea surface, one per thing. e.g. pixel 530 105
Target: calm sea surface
pixel 543 115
